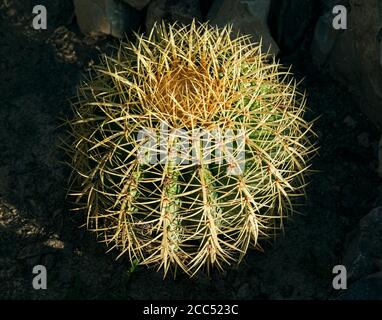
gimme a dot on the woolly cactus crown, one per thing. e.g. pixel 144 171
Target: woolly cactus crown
pixel 175 83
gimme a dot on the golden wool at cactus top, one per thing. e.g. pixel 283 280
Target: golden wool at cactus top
pixel 189 147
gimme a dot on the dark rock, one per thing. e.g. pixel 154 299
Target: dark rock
pixel 364 140
pixel 378 200
pixel 328 5
pixel 49 261
pixel 379 169
pixel 347 199
pixel 354 56
pixel 137 4
pixel 91 16
pixel 324 39
pixel 205 6
pixel 290 20
pixel 246 17
pixel 364 249
pixel 106 17
pixel 350 122
pixel 243 292
pixel 41 253
pixel 368 288
pixel 54 244
pixel 182 11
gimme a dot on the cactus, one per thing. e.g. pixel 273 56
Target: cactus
pixel 203 206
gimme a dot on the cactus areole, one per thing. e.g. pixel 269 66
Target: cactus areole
pixel 189 146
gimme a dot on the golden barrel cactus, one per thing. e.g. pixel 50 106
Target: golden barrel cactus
pixel 189 146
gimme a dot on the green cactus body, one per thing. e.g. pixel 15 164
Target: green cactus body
pixel 223 176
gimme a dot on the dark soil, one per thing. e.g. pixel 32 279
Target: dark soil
pixel 40 70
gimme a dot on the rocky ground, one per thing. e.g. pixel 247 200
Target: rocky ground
pixel 39 71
